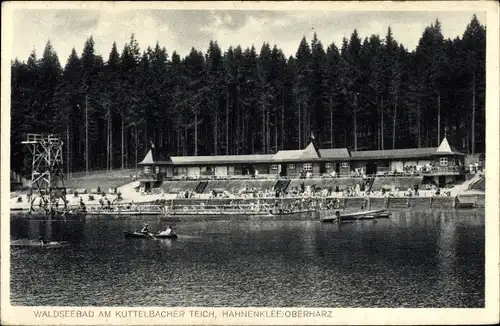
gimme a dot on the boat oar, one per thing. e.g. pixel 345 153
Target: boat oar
pixel 152 236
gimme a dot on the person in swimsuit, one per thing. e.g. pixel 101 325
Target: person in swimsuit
pixel 168 231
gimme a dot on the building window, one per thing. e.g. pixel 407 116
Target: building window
pixel 291 166
pixel 443 161
pixel 147 169
pixel 328 165
pixel 274 167
pixel 344 165
pixel 307 167
pixel 157 169
pixel 163 169
pixel 180 170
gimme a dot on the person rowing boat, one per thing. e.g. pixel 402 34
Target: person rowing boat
pixel 145 230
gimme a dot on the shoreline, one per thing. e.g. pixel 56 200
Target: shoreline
pixel 355 202
pixel 462 201
pixel 173 220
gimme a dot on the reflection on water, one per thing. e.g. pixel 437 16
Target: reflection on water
pixel 414 259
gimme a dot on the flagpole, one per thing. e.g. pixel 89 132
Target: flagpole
pixel 86 135
pixel 355 121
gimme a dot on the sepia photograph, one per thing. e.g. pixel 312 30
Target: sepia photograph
pixel 244 157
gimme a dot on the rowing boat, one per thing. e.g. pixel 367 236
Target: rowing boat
pixel 144 235
pixel 356 216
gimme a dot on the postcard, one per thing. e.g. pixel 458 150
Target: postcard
pixel 228 163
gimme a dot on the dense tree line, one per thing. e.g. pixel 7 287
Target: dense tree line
pixel 370 93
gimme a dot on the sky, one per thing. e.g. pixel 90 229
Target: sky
pixel 181 30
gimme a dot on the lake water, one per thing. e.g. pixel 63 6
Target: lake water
pixel 414 259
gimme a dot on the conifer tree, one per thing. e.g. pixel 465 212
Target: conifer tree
pixel 367 93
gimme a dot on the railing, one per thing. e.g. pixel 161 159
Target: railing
pixel 236 208
pixel 120 208
pixel 33 137
pixel 222 177
pixel 444 169
pixel 433 170
pixel 203 209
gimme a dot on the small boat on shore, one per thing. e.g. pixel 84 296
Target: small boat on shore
pixel 144 235
pixel 356 216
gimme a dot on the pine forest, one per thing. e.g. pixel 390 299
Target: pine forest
pixel 364 94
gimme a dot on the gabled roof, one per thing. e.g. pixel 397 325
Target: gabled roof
pixel 446 149
pixel 394 153
pixel 153 156
pixel 295 154
pixel 334 153
pixel 308 153
pixel 148 159
pixel 221 159
pixel 443 149
pixel 311 151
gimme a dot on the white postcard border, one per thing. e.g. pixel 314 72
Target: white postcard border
pixel 76 316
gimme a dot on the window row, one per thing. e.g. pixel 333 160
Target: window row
pixel 443 161
pixel 208 169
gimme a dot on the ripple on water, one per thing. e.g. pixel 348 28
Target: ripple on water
pixel 416 259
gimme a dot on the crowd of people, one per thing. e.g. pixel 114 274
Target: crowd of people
pixel 306 191
pixel 358 173
pixel 357 190
pixel 475 168
pixel 304 204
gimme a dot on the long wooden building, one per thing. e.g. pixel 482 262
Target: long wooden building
pixel 444 163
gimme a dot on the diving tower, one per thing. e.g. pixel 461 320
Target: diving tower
pixel 47 177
